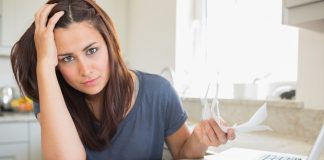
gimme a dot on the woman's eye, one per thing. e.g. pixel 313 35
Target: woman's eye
pixel 92 50
pixel 68 59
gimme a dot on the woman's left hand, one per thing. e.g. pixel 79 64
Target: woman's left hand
pixel 208 133
pixel 44 36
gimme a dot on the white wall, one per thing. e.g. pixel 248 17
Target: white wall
pixel 151 34
pixel 17 16
pixel 310 83
pixel 117 10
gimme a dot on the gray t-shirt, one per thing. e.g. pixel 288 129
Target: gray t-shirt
pixel 156 114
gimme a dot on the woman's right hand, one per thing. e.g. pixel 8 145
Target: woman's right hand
pixel 44 36
pixel 209 133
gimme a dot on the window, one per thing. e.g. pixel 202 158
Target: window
pixel 234 42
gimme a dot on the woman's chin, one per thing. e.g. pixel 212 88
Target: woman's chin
pixel 92 92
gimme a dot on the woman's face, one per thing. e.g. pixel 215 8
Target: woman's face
pixel 82 57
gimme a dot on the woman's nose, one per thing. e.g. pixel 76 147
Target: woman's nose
pixel 84 67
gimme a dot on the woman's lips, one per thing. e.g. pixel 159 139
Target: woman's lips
pixel 91 82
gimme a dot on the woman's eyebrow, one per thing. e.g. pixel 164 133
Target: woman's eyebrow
pixel 84 49
pixel 88 46
pixel 64 54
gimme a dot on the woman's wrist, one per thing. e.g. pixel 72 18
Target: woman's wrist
pixel 194 148
pixel 45 67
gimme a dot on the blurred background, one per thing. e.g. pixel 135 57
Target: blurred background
pixel 255 52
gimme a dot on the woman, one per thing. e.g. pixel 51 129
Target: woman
pixel 92 106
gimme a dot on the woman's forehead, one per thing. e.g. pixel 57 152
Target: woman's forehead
pixel 76 36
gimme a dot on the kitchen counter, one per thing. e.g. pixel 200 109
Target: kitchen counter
pixel 17 117
pixel 286 118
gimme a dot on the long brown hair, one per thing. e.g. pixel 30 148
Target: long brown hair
pixel 117 92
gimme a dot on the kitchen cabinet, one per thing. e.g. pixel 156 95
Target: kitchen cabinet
pixel 307 14
pixel 13 141
pixel 20 140
pixel 35 141
pixel 15 17
pixel 17 151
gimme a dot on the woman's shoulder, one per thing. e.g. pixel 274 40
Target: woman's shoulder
pixel 151 78
pixel 153 81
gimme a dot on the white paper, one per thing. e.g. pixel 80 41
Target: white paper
pixel 206 113
pixel 254 123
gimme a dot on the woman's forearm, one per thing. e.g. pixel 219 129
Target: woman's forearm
pixel 193 148
pixel 60 139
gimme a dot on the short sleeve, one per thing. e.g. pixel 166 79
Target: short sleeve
pixel 175 115
pixel 36 108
